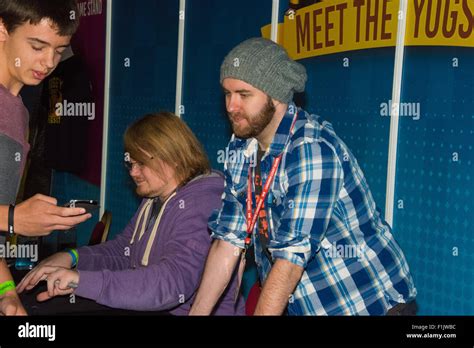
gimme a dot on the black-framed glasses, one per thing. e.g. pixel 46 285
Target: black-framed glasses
pixel 129 165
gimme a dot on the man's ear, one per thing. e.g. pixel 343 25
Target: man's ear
pixel 3 31
pixel 276 102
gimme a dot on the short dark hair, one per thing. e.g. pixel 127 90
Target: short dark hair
pixel 63 13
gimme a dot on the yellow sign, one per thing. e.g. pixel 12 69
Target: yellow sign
pixel 345 25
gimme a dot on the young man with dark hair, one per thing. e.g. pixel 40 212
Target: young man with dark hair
pixel 33 35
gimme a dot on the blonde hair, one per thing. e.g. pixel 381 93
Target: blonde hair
pixel 164 136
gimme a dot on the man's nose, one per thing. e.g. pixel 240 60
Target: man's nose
pixel 48 60
pixel 134 170
pixel 233 103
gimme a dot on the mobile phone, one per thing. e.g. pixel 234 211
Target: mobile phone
pixel 89 205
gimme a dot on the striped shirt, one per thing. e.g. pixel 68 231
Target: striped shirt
pixel 321 216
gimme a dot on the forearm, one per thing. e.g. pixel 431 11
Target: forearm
pixel 109 255
pixel 4 271
pixel 156 287
pixel 278 287
pixel 220 265
pixel 5 275
pixel 3 217
pixel 113 254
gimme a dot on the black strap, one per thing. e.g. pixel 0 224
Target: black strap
pixel 11 212
pixel 261 221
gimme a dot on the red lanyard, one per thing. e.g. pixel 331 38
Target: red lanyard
pixel 252 218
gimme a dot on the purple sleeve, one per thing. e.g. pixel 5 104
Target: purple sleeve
pixel 110 255
pixel 166 284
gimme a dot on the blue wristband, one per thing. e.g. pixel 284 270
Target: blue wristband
pixel 74 255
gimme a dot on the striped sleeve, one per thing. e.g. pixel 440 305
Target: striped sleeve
pixel 229 222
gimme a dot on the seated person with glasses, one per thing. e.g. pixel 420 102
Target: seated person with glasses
pixel 156 263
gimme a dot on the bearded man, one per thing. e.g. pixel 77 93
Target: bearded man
pixel 305 197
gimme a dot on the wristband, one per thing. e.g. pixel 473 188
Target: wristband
pixel 7 286
pixel 11 212
pixel 74 255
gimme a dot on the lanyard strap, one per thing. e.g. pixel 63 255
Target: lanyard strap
pixel 252 218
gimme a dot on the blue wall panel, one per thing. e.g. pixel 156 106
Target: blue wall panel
pixel 146 33
pixel 213 28
pixel 434 211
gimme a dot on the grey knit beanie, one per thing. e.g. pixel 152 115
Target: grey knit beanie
pixel 265 65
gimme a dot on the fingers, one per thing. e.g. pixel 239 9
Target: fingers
pixel 66 212
pixel 48 199
pixel 34 282
pixel 21 311
pixel 25 281
pixel 52 208
pixel 11 305
pixel 63 285
pixel 43 296
pixel 53 263
pixel 16 308
pixel 65 223
pixel 31 279
pixel 36 275
pixel 58 282
pixel 10 309
pixel 52 284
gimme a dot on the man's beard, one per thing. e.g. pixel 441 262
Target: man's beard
pixel 256 124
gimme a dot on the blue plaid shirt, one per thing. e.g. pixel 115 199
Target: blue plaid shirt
pixel 321 216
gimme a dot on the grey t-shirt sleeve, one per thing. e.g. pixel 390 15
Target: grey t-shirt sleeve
pixel 11 157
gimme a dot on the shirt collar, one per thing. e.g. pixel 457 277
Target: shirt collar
pixel 282 134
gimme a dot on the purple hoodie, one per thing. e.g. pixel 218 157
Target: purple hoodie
pixel 113 274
